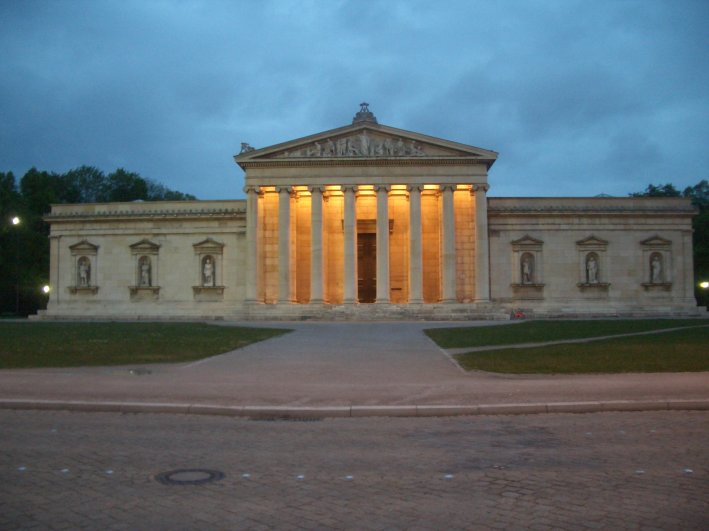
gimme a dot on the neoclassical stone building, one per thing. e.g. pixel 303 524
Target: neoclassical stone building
pixel 371 222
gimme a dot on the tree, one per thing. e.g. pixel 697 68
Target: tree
pixel 660 190
pixel 126 186
pixel 38 190
pixel 84 184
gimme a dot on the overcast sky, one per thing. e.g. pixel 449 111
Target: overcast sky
pixel 578 97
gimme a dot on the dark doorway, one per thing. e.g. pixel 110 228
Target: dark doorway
pixel 367 266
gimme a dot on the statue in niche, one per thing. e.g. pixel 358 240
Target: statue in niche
pixel 144 265
pixel 591 269
pixel 208 272
pixel 527 269
pixel 84 272
pixel 656 269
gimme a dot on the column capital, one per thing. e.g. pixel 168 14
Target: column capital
pixel 349 188
pixel 414 187
pixel 380 187
pixel 481 187
pixel 444 187
pixel 287 189
pixel 319 188
pixel 251 188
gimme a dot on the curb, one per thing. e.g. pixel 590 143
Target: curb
pixel 296 413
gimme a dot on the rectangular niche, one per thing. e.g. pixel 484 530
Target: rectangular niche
pixel 527 268
pixel 657 264
pixel 593 266
pixel 145 271
pixel 84 256
pixel 209 270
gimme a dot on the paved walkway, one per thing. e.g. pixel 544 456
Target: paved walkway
pixel 342 365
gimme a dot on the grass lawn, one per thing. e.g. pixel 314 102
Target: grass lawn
pixel 72 344
pixel 535 331
pixel 678 351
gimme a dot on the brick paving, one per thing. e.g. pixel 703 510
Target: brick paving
pixel 649 470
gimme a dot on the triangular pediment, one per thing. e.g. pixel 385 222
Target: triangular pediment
pixel 145 245
pixel 84 246
pixel 364 141
pixel 656 241
pixel 527 240
pixel 592 241
pixel 208 245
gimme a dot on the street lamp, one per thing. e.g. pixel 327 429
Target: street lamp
pixel 704 284
pixel 16 222
pixel 46 289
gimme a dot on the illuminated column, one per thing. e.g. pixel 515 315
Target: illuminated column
pixel 316 245
pixel 415 238
pixel 382 243
pixel 251 244
pixel 482 249
pixel 448 244
pixel 284 284
pixel 350 228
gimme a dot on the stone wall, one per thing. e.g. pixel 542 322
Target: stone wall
pixel 560 236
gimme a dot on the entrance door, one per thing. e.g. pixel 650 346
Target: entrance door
pixel 367 266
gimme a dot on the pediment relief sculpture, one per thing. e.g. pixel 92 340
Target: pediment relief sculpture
pixel 361 144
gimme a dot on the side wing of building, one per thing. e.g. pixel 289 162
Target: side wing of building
pixel 570 256
pixel 147 259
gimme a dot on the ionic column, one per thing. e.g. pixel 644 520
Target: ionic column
pixel 251 243
pixel 415 238
pixel 482 245
pixel 382 244
pixel 316 246
pixel 284 284
pixel 350 251
pixel 448 244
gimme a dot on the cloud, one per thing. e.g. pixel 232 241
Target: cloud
pixel 579 98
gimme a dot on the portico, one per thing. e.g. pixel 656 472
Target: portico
pixel 366 214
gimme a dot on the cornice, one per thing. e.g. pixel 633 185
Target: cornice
pixel 147 214
pixel 363 162
pixel 620 210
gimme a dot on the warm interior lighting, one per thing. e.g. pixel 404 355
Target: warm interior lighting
pixel 430 187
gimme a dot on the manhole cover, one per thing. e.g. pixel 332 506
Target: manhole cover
pixel 189 476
